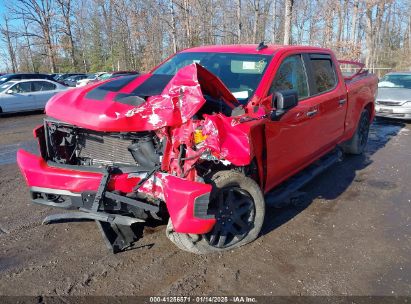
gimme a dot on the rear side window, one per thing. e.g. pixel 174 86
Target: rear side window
pixel 291 75
pixel 43 86
pixel 325 78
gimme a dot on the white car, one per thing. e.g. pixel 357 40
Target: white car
pixel 90 78
pixel 27 95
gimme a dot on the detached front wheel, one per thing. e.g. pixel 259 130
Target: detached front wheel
pixel 238 205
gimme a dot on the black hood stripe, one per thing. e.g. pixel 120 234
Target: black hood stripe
pixel 100 92
pixel 152 86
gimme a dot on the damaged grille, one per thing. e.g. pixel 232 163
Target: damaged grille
pixel 70 145
pixel 105 150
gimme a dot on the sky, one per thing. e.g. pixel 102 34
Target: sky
pixel 3 45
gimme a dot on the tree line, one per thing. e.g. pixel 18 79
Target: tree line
pixel 107 35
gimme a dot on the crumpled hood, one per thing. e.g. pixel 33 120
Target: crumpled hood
pixel 399 95
pixel 148 102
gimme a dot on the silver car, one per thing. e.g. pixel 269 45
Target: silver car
pixel 394 96
pixel 27 95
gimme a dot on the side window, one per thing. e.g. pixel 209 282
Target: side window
pixel 23 87
pixel 291 75
pixel 324 74
pixel 43 86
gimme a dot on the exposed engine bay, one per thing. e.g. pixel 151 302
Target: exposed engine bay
pixel 70 145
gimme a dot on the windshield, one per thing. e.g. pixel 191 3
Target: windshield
pixel 396 81
pixel 5 86
pixel 241 73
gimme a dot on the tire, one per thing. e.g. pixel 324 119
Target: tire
pixel 356 145
pixel 238 205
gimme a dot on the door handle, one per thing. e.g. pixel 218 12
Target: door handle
pixel 342 101
pixel 312 113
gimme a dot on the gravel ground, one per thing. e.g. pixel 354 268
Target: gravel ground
pixel 351 238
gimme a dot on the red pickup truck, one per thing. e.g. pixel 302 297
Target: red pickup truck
pixel 204 141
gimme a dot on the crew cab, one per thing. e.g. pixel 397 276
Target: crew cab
pixel 199 141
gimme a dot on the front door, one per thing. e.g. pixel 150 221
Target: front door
pixel 20 98
pixel 290 141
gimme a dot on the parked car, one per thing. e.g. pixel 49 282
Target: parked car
pixel 20 76
pixel 89 79
pixel 394 96
pixel 56 75
pixel 27 95
pixel 203 141
pixel 72 80
pixel 63 77
pixel 111 75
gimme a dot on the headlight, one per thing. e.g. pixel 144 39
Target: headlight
pixel 199 137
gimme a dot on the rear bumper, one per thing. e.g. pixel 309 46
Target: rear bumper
pixel 182 197
pixel 400 112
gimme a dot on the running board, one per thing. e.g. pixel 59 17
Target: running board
pixel 288 191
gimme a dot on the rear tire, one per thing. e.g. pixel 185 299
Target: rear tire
pixel 356 145
pixel 239 208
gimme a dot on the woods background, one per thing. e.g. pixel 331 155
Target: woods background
pixel 104 35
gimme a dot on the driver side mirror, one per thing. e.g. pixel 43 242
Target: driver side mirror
pixel 10 92
pixel 282 102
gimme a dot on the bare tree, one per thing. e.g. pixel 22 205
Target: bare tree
pixel 173 26
pixel 354 21
pixel 239 22
pixel 5 32
pixel 65 10
pixel 41 14
pixel 287 20
pixel 49 35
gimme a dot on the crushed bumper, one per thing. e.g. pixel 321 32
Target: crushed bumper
pixel 186 201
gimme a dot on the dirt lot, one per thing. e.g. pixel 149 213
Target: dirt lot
pixel 353 238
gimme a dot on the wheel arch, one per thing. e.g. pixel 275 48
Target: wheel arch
pixel 259 152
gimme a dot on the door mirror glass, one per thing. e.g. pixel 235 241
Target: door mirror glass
pixel 9 91
pixel 282 102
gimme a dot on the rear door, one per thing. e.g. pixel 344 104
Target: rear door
pixel 331 96
pixel 42 92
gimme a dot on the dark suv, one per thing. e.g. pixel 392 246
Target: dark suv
pixel 20 76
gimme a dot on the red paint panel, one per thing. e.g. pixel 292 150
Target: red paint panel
pixel 38 174
pixel 180 100
pixel 179 194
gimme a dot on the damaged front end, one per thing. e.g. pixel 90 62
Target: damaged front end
pixel 121 157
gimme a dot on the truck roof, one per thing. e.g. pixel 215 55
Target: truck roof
pixel 249 48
